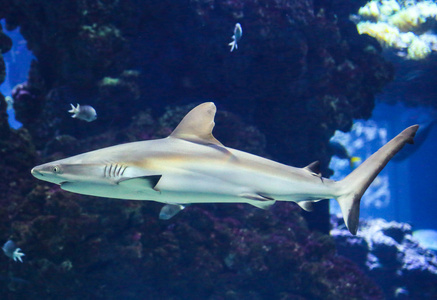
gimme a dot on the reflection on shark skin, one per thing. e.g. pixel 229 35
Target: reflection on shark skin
pixel 191 166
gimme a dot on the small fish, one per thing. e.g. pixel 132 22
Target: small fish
pixel 168 211
pixel 341 152
pixel 238 33
pixel 84 112
pixel 354 161
pixel 11 251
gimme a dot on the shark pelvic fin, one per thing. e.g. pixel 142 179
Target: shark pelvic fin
pixel 143 181
pixel 261 201
pixel 168 211
pixel 197 125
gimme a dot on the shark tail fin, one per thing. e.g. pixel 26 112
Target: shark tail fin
pixel 352 188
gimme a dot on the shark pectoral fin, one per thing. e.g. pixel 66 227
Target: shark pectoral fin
pixel 261 201
pixel 306 205
pixel 142 182
pixel 168 211
pixel 197 125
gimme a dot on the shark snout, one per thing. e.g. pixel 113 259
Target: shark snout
pixel 36 173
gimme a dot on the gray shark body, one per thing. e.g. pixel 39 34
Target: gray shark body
pixel 191 166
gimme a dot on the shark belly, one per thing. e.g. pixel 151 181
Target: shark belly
pixel 212 183
pixel 171 190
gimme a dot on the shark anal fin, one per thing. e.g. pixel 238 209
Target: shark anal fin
pixel 306 205
pixel 168 211
pixel 143 181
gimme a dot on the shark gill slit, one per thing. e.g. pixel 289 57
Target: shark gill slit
pixel 114 170
pixel 117 170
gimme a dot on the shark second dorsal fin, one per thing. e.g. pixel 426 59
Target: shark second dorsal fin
pixel 314 168
pixel 197 125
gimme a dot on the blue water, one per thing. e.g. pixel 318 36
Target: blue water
pixel 17 67
pixel 423 191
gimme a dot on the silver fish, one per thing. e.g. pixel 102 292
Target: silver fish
pixel 238 33
pixel 168 211
pixel 84 112
pixel 12 251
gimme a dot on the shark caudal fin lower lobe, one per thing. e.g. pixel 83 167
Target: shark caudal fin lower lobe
pixel 352 188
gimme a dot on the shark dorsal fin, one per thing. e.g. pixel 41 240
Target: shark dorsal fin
pixel 197 125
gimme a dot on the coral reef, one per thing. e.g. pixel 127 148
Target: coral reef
pixel 301 72
pixel 402 25
pixel 17 156
pixel 391 256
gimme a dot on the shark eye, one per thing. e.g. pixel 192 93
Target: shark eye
pixel 56 169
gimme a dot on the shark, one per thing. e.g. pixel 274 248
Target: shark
pixel 191 166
